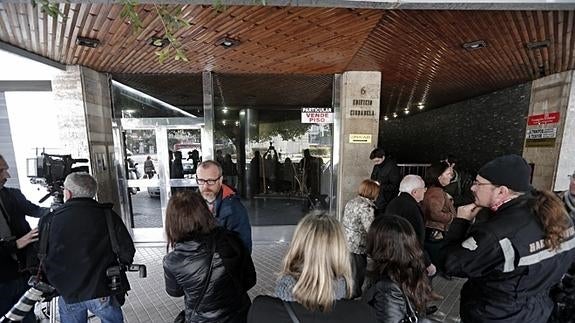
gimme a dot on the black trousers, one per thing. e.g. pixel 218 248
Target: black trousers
pixel 358 271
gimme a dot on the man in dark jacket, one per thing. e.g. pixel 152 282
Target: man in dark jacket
pixel 16 238
pixel 513 258
pixel 386 173
pixel 223 201
pixel 80 252
pixel 406 205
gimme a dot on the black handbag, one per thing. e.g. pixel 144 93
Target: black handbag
pixel 410 313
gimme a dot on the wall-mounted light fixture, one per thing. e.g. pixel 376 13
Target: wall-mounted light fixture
pixel 87 42
pixel 395 115
pixel 420 106
pixel 385 118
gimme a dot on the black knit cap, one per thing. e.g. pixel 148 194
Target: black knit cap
pixel 511 171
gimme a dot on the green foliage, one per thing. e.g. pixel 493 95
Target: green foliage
pixel 288 130
pixel 48 7
pixel 131 15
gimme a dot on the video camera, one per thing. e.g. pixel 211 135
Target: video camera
pixel 39 291
pixel 51 170
pixel 113 273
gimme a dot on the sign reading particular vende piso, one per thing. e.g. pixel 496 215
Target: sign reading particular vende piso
pixel 316 115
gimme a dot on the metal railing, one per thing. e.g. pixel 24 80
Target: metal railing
pixel 414 169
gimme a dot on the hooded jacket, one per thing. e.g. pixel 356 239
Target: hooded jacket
pixel 232 215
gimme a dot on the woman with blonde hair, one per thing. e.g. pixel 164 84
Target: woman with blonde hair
pixel 315 282
pixel 357 217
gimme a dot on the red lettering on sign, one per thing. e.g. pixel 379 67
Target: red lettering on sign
pixel 546 118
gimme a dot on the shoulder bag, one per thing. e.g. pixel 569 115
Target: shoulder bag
pixel 291 312
pixel 410 313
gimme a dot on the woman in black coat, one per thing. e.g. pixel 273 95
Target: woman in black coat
pixel 398 270
pixel 315 283
pixel 208 265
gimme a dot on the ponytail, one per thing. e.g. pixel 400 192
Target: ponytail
pixel 550 210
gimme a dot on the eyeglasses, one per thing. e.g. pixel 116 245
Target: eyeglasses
pixel 478 183
pixel 210 182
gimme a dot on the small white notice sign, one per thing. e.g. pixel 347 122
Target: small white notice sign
pixel 542 133
pixel 359 138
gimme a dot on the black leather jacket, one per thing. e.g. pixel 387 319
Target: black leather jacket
pixel 387 300
pixel 232 275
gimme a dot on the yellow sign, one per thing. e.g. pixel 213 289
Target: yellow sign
pixel 358 138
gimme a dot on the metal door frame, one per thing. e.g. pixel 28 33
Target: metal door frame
pixel 161 126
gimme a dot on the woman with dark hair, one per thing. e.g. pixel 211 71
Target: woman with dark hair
pixel 208 264
pixel 357 217
pixel 437 207
pixel 401 288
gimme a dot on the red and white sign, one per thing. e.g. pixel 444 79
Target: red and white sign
pixel 316 115
pixel 546 118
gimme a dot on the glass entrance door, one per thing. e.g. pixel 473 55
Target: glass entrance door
pixel 161 157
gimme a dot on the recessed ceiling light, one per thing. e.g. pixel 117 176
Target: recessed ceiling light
pixel 224 122
pixel 227 42
pixel 237 123
pixel 478 44
pixel 385 118
pixel 159 42
pixel 87 42
pixel 395 115
pixel 225 110
pixel 538 44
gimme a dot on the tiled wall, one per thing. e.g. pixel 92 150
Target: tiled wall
pixel 476 130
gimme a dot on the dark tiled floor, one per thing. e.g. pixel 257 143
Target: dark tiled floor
pixel 148 302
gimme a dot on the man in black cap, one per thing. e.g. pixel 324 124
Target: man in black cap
pixel 513 258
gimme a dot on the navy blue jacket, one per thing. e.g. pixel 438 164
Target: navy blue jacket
pixel 17 207
pixel 509 268
pixel 232 215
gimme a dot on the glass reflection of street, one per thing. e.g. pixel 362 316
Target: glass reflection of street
pixel 147 210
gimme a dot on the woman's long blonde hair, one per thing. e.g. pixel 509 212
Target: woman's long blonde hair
pixel 317 258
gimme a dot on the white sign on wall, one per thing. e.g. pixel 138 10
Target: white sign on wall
pixel 542 133
pixel 316 115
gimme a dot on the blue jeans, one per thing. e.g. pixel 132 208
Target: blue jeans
pixel 10 293
pixel 106 309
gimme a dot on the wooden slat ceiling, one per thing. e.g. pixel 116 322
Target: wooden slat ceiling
pixel 419 53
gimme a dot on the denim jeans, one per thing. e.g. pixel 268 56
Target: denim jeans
pixel 10 293
pixel 106 309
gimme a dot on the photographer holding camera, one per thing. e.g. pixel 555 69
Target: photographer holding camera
pixel 16 239
pixel 81 261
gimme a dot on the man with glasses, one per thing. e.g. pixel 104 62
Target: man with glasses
pixel 223 201
pixel 568 196
pixel 513 258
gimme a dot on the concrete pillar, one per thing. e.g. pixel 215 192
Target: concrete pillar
pixel 85 122
pixel 98 116
pixel 554 158
pixel 6 145
pixel 359 127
